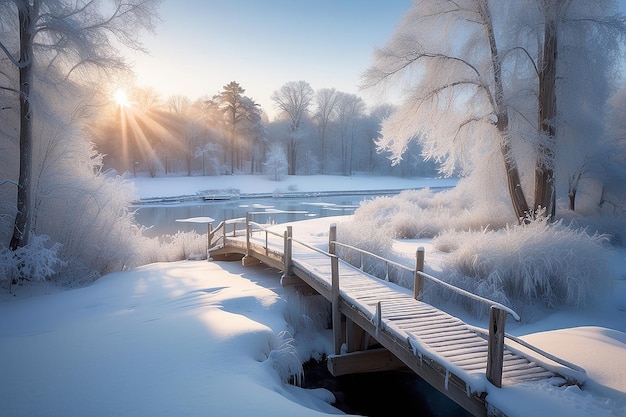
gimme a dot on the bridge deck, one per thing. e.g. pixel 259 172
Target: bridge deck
pixel 423 327
pixel 448 353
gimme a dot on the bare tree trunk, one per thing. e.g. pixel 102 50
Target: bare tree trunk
pixel 323 150
pixel 291 154
pixel 516 193
pixel 22 225
pixel 545 194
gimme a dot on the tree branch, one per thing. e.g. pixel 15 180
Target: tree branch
pixel 10 56
pixel 525 51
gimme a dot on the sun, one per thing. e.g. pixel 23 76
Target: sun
pixel 121 98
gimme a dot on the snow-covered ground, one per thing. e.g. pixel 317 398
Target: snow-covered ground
pixel 246 184
pixel 201 338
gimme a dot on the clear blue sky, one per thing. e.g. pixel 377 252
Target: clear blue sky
pixel 204 44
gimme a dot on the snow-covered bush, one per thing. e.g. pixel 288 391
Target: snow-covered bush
pixel 424 213
pixel 552 265
pixel 176 247
pixel 91 215
pixel 309 317
pixel 284 358
pixel 33 262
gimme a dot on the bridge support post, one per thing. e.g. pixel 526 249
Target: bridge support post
pixel 336 314
pixel 495 348
pixel 418 279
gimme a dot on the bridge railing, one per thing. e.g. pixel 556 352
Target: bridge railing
pixel 217 236
pixel 497 312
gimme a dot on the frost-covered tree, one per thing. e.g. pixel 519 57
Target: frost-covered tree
pixel 484 86
pixel 457 104
pixel 276 162
pixel 293 99
pixel 588 67
pixel 54 37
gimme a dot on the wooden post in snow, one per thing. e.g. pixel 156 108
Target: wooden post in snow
pixel 418 279
pixel 495 350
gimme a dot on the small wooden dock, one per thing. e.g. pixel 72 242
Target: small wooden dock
pixel 378 325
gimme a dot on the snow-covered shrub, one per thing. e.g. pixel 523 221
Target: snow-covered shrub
pixel 364 234
pixel 176 247
pixel 91 215
pixel 542 263
pixel 284 358
pixel 424 213
pixel 309 316
pixel 33 262
pixel 612 226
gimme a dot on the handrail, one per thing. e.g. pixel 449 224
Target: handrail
pixel 313 248
pixel 473 296
pixel 306 245
pixel 458 290
pixel 263 228
pixel 389 261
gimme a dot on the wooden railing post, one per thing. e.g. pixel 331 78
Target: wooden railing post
pixel 336 314
pixel 495 350
pixel 332 238
pixel 418 279
pixel 288 247
pixel 208 241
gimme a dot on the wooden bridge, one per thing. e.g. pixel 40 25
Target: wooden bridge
pixel 378 325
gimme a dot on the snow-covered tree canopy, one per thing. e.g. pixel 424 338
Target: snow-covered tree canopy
pixel 471 72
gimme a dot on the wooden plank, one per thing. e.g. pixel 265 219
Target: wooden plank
pixel 374 360
pixel 410 325
pixel 455 352
pixel 443 334
pixel 409 311
pixel 527 378
pixel 428 319
pixel 531 371
pixel 461 341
